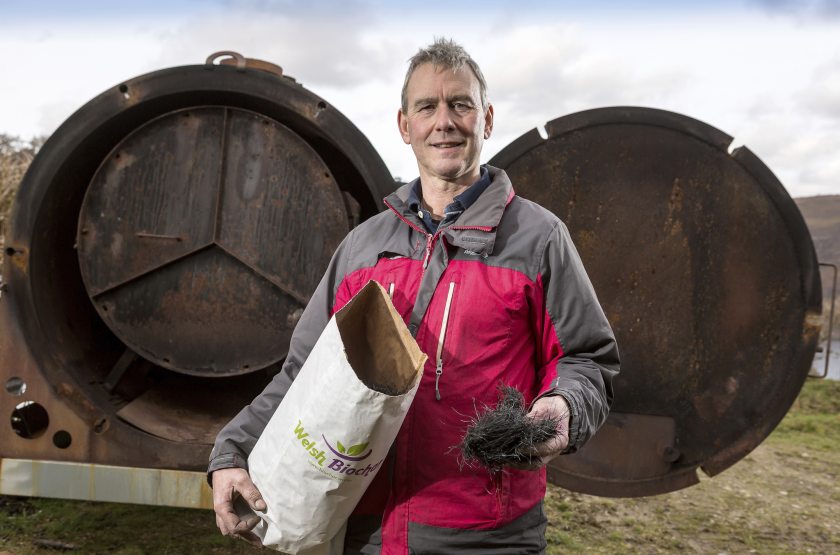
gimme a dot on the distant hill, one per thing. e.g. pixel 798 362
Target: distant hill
pixel 822 216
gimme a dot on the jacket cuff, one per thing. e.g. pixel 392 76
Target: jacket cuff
pixel 225 460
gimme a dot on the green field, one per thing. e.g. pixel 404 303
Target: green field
pixel 782 498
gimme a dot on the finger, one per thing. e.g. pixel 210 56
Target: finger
pixel 539 412
pixel 246 524
pixel 542 453
pixel 223 492
pixel 548 450
pixel 230 522
pixel 251 494
pixel 555 406
pixel 249 537
pixel 226 518
pixel 562 430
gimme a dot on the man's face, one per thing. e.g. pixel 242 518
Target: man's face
pixel 445 123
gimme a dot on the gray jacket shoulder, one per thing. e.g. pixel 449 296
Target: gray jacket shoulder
pixel 524 232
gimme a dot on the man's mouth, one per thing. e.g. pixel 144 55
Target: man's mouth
pixel 447 144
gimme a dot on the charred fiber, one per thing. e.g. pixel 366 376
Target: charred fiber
pixel 505 435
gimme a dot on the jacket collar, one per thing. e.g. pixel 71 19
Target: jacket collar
pixel 475 228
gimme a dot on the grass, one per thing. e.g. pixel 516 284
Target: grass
pixel 782 498
pixel 111 528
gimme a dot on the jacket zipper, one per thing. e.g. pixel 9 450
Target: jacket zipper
pixel 391 291
pixel 439 369
pixel 429 239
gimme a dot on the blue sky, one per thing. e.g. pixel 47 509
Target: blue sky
pixel 765 71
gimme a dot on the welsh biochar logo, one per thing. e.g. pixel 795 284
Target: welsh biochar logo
pixel 346 461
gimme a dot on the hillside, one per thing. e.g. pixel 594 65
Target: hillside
pixel 822 216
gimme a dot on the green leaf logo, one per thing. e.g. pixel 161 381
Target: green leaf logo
pixel 357 449
pixel 340 447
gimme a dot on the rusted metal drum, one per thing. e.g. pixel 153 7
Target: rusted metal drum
pixel 706 271
pixel 163 246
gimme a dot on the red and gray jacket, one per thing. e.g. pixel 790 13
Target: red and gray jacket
pixel 498 296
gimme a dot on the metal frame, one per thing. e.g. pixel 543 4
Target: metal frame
pixel 830 322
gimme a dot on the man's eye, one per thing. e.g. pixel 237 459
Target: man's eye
pixel 425 108
pixel 461 106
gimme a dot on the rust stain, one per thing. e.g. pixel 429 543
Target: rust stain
pixel 20 259
pixel 673 225
pixel 573 197
pixel 812 326
pixel 585 240
pixel 88 412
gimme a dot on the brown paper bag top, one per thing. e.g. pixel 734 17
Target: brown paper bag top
pixel 377 342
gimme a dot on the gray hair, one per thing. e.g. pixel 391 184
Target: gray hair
pixel 446 54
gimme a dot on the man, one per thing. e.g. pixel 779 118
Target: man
pixel 494 292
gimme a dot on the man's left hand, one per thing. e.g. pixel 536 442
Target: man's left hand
pixel 554 406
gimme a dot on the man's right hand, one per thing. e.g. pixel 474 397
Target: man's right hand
pixel 228 484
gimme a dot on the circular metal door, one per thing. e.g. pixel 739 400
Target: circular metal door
pixel 706 272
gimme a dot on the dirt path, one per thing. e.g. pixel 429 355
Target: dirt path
pixel 782 498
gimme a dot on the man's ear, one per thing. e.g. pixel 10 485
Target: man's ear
pixel 488 121
pixel 402 122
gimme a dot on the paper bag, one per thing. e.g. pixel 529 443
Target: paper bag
pixel 333 430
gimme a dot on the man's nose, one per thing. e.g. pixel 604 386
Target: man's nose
pixel 444 122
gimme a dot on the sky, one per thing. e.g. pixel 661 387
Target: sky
pixel 767 72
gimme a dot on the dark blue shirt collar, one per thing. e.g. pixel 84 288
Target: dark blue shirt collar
pixel 453 210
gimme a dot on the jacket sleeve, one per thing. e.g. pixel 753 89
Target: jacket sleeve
pixel 236 440
pixel 580 355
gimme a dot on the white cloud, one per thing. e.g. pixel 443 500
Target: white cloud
pixel 798 145
pixel 61 69
pixel 822 94
pixel 540 72
pixel 333 51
